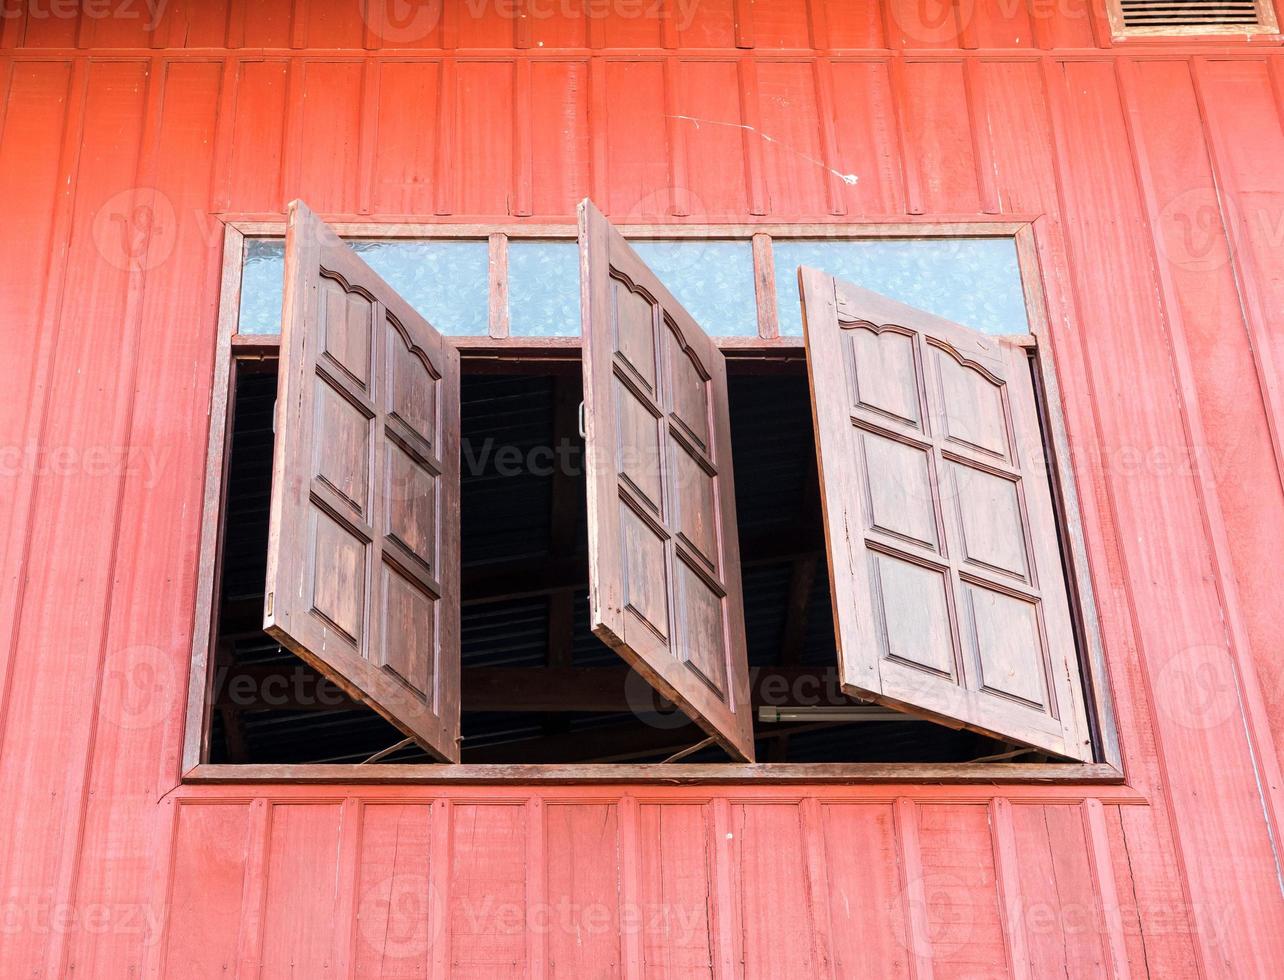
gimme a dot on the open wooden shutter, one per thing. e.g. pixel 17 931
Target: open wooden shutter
pixel 363 548
pixel 948 591
pixel 664 557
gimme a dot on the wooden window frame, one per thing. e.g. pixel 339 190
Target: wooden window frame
pixel 1267 25
pixel 232 347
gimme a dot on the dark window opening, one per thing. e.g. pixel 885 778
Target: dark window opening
pixel 537 686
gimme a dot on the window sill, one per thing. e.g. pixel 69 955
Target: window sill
pixel 984 773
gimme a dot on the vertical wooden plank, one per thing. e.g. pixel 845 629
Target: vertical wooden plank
pixel 598 135
pixel 1059 901
pixel 936 117
pixel 676 132
pixel 1129 911
pixel 743 14
pixel 249 942
pixel 910 173
pixel 979 123
pixel 409 103
pixel 488 914
pixel 707 117
pixel 1190 293
pixel 220 194
pixel 730 940
pixel 632 914
pixel 299 11
pixel 119 828
pixel 863 897
pixel 441 847
pixel 1241 119
pixel 835 181
pixel 751 125
pixel 795 171
pixel 498 299
pixel 775 913
pixel 637 146
pixel 582 864
pixel 368 136
pixel 303 890
pixel 397 924
pixel 58 632
pixel 255 135
pixel 867 140
pixel 764 286
pixel 960 891
pixel 484 162
pixel 536 887
pixel 1107 894
pixel 204 914
pixel 328 156
pixel 676 889
pixel 915 934
pixel 1214 765
pixel 351 834
pixel 37 178
pixel 560 141
pixel 1007 864
pixel 292 148
pixel 523 148
pixel 818 886
pixel 445 178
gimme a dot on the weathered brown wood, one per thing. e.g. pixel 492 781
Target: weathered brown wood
pixel 295 687
pixel 939 521
pixel 363 543
pixel 664 556
pixel 196 724
pixel 1059 778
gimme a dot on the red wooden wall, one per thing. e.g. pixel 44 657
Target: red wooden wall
pixel 1154 171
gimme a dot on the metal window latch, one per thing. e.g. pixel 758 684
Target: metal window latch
pixel 583 423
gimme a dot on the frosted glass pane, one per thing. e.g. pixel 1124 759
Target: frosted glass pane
pixel 447 282
pixel 713 280
pixel 973 281
pixel 543 289
pixel 261 286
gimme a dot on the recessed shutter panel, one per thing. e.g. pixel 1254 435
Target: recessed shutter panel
pixel 664 557
pixel 948 591
pixel 363 549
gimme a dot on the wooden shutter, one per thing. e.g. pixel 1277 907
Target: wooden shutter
pixel 948 591
pixel 363 548
pixel 664 557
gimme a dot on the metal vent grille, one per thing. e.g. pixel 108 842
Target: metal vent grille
pixel 1188 13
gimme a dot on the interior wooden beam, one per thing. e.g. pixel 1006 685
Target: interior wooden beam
pixel 525 577
pixel 296 687
pixel 625 742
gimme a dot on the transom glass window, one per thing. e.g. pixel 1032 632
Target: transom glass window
pixel 974 281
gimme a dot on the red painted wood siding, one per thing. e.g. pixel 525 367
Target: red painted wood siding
pixel 1152 172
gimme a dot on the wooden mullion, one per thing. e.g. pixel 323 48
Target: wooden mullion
pixel 764 285
pixel 498 287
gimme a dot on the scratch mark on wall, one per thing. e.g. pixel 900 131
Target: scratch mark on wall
pixel 849 179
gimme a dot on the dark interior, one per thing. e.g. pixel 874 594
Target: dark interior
pixel 525 596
